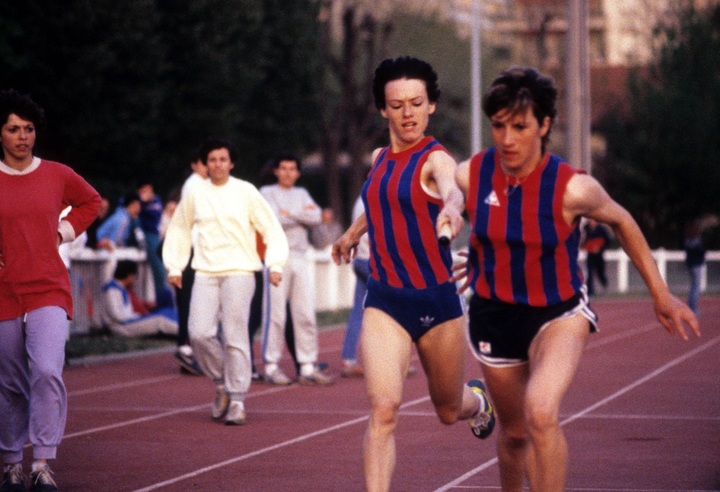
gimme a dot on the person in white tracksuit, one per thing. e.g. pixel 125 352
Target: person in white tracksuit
pixel 227 213
pixel 297 212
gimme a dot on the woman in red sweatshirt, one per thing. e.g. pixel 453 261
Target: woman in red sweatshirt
pixel 35 299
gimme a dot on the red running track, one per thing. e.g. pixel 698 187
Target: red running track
pixel 643 414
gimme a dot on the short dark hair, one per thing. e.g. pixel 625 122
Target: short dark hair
pixel 124 269
pixel 128 198
pixel 404 67
pixel 214 143
pixel 519 88
pixel 13 102
pixel 286 156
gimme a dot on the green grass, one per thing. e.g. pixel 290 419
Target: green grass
pixel 83 345
pixel 103 343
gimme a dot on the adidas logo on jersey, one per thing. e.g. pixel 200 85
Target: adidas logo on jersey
pixel 492 199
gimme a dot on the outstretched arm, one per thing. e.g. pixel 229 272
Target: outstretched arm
pixel 586 197
pixel 442 169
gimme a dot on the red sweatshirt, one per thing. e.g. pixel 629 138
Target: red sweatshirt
pixel 34 275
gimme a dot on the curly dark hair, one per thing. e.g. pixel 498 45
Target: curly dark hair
pixel 400 68
pixel 13 102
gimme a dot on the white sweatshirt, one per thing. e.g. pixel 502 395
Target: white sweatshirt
pixel 226 218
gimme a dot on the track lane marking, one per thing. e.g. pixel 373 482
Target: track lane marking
pixel 594 406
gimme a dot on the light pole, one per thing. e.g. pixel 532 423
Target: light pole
pixel 578 84
pixel 475 79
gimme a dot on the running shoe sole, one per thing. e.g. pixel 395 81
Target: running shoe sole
pixel 482 425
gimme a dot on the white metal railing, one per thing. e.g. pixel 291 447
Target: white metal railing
pixel 663 257
pixel 335 284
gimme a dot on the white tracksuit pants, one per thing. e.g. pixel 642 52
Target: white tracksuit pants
pixel 298 288
pixel 226 299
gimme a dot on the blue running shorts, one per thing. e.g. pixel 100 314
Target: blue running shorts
pixel 416 310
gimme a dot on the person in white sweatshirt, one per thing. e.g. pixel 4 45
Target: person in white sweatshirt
pixel 225 212
pixel 297 212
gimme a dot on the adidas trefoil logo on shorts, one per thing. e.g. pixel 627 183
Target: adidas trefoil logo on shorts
pixel 426 321
pixel 492 199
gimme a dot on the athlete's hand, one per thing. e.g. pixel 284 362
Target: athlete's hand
pixel 449 223
pixel 345 248
pixel 675 315
pixel 461 270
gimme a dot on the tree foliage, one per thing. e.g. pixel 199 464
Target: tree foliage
pixel 368 32
pixel 663 160
pixel 131 88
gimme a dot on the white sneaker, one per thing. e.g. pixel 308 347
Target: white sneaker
pixel 235 413
pixel 315 379
pixel 278 378
pixel 221 403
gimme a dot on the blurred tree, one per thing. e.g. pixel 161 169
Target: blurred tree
pixel 356 36
pixel 662 161
pixel 79 60
pixel 130 88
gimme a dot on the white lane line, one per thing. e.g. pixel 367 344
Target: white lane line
pixel 268 449
pixel 156 416
pixel 118 386
pixel 592 407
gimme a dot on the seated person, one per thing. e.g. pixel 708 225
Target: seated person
pixel 119 228
pixel 126 315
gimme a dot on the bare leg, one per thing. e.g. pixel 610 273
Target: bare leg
pixel 507 387
pixel 442 352
pixel 386 349
pixel 554 358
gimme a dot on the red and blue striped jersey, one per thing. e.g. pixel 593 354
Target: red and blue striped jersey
pixel 521 248
pixel 401 215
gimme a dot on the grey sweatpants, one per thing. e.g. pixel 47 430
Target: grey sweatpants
pixel 33 400
pixel 225 359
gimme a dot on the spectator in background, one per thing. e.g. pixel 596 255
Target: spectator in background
pixel 184 353
pixel 92 239
pixel 297 212
pixel 595 243
pixel 128 316
pixel 151 210
pixel 118 229
pixel 224 214
pixel 167 214
pixel 694 261
pixel 361 267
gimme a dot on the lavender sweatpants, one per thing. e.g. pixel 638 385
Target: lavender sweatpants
pixel 33 400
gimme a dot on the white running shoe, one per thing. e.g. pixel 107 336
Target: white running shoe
pixel 278 378
pixel 221 403
pixel 235 413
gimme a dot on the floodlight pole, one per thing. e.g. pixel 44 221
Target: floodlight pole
pixel 475 80
pixel 578 85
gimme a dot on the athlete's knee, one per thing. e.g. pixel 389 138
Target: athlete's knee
pixel 384 412
pixel 541 415
pixel 448 413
